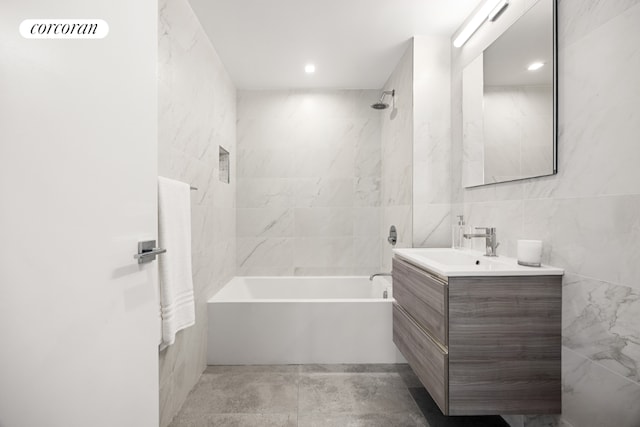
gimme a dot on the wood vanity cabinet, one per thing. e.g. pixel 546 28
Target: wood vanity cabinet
pixel 481 345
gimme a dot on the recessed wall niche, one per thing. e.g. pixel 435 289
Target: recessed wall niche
pixel 223 160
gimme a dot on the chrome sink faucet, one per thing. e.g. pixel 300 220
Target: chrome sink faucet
pixel 379 274
pixel 490 236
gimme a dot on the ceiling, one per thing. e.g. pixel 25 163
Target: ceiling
pixel 355 44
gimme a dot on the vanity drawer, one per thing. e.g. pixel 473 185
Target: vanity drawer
pixel 427 359
pixel 423 296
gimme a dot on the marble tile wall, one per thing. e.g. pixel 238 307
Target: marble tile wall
pixel 309 183
pixel 588 215
pixel 416 149
pixel 397 159
pixel 473 125
pixel 518 125
pixel 431 195
pixel 197 107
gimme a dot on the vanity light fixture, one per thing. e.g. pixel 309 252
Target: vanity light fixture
pixel 491 9
pixel 535 66
pixel 309 68
pixel 497 11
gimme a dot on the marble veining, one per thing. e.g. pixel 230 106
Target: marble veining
pixel 367 191
pixel 517 128
pixel 473 123
pixel 431 153
pixel 309 191
pixel 324 192
pixel 587 394
pixel 600 322
pixel 598 107
pixel 431 225
pixel 588 215
pixel 196 109
pixel 264 254
pixel 581 17
pixel 265 222
pixel 397 168
pixel 265 192
pixel 593 237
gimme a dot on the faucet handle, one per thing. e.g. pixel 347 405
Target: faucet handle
pixel 487 229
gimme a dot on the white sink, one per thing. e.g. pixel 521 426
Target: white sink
pixel 458 263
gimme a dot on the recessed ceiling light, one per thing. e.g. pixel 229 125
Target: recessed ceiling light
pixel 309 68
pixel 535 66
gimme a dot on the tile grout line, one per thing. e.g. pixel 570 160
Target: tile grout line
pixel 601 281
pixel 298 397
pixel 549 197
pixel 600 365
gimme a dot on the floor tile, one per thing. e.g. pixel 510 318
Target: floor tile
pixel 249 369
pixel 236 420
pixel 404 370
pixel 351 368
pixel 363 420
pixel 364 393
pixel 316 396
pixel 244 393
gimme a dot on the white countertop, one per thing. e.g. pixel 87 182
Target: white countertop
pixel 464 263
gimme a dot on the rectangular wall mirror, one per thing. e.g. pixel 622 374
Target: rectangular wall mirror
pixel 509 103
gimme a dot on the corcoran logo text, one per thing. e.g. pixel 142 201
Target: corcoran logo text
pixel 64 28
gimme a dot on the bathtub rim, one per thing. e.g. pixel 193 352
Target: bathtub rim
pixel 389 284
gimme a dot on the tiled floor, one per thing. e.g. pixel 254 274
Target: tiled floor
pixel 315 396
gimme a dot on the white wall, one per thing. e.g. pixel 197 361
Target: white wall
pixel 588 215
pixel 308 183
pixel 197 114
pixel 78 129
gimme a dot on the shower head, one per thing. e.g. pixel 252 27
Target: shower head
pixel 381 105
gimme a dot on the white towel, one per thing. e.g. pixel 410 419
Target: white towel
pixel 176 284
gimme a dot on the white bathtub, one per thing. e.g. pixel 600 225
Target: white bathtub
pixel 297 320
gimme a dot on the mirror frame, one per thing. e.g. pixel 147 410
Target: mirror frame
pixel 554 18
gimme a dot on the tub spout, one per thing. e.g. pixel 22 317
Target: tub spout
pixel 378 274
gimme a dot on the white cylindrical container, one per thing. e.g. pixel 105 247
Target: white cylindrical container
pixel 530 253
